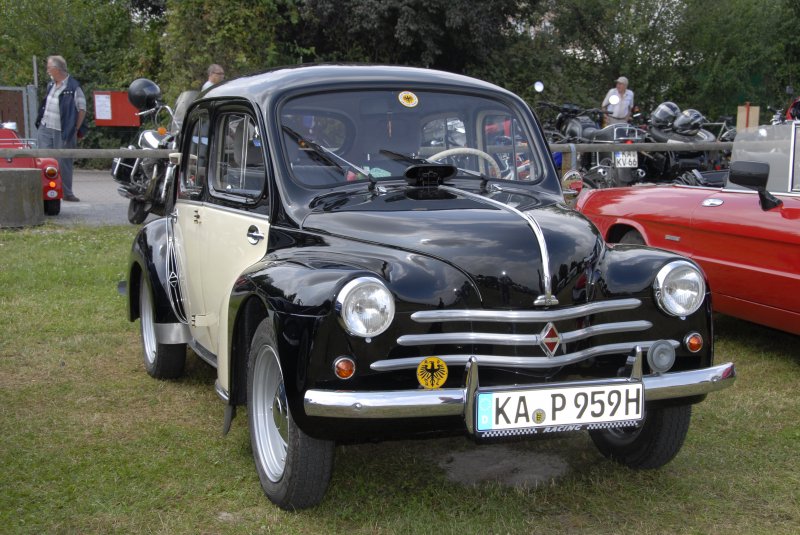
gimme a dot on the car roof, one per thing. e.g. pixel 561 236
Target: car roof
pixel 260 87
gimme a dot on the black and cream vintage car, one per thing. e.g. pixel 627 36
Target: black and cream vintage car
pixel 370 252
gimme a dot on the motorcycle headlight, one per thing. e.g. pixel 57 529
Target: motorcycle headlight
pixel 365 307
pixel 679 288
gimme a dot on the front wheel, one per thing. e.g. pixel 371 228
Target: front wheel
pixel 294 469
pixel 162 361
pixel 650 445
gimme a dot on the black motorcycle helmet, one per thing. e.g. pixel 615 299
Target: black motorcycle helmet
pixel 664 114
pixel 144 94
pixel 794 110
pixel 689 122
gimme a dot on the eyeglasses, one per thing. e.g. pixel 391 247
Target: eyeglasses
pixel 219 73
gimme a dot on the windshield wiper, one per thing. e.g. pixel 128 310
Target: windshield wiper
pixel 398 157
pixel 327 156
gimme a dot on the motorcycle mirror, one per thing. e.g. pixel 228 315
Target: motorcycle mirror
pixel 614 100
pixel 538 86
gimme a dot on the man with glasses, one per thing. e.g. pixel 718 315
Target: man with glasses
pixel 215 75
pixel 60 119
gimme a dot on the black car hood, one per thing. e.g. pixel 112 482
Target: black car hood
pixel 495 247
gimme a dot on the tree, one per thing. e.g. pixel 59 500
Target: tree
pixel 241 37
pixel 444 34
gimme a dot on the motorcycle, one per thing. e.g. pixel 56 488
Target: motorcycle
pixel 147 182
pixel 668 124
pixel 574 124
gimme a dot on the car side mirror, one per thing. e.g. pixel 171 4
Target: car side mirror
pixel 754 175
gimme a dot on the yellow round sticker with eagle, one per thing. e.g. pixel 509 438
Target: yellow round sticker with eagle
pixel 432 372
pixel 408 99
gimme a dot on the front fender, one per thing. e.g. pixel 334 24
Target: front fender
pixel 150 254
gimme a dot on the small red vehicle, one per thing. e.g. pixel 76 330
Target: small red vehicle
pixel 745 235
pixel 52 192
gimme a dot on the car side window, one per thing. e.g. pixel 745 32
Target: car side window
pixel 239 168
pixel 194 163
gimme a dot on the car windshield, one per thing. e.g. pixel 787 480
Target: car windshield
pixel 347 136
pixel 776 145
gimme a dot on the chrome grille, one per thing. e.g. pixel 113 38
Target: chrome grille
pixel 531 341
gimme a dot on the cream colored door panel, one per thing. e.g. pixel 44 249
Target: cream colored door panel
pixel 191 251
pixel 231 248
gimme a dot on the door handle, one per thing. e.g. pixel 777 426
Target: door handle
pixel 254 235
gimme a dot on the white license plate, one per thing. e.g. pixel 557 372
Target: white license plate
pixel 626 159
pixel 560 406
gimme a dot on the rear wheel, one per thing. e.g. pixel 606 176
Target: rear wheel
pixel 162 361
pixel 294 469
pixel 52 207
pixel 651 445
pixel 137 211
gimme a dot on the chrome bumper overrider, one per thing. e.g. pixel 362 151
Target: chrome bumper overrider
pixel 460 401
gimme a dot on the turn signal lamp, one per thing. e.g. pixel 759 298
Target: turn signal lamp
pixel 52 184
pixel 344 367
pixel 162 131
pixel 50 172
pixel 693 342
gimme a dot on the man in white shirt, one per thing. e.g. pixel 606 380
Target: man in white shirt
pixel 622 111
pixel 61 118
pixel 215 75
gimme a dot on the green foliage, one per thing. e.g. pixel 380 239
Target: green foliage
pixel 705 55
pixel 442 34
pixel 240 36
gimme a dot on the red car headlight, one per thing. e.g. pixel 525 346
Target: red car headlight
pixel 50 172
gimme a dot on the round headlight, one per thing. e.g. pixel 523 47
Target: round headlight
pixel 679 288
pixel 365 306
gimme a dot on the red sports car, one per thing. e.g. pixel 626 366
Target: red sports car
pixel 51 176
pixel 746 235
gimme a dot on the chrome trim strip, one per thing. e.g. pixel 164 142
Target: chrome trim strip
pixel 172 333
pixel 509 339
pixel 532 316
pixel 528 362
pixel 454 401
pixel 221 392
pixel 203 353
pixel 547 299
pixel 389 404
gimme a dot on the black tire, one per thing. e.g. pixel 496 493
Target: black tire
pixel 293 468
pixel 52 207
pixel 137 211
pixel 651 445
pixel 162 361
pixel 632 237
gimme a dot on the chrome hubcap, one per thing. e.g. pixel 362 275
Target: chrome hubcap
pixel 147 320
pixel 270 414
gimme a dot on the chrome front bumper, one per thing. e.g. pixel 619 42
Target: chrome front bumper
pixel 460 401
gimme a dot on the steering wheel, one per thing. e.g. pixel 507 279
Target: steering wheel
pixel 472 152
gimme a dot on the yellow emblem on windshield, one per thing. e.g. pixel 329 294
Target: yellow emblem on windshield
pixel 432 372
pixel 408 99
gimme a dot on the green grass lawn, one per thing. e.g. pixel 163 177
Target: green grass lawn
pixel 91 444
